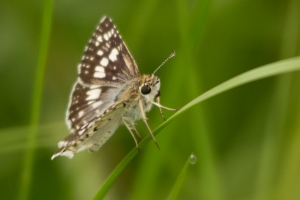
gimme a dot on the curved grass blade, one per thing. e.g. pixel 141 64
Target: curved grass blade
pixel 276 68
pixel 26 173
pixel 175 190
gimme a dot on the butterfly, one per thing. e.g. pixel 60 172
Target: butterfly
pixel 109 91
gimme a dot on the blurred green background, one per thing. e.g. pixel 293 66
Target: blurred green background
pixel 246 140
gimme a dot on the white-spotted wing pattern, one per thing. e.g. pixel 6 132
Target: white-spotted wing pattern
pixel 109 92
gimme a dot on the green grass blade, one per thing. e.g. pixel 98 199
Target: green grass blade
pixel 280 67
pixel 202 12
pixel 175 190
pixel 14 139
pixel 138 24
pixel 191 29
pixel 36 102
pixel 278 111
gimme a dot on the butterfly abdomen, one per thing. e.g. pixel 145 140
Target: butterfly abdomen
pixel 103 134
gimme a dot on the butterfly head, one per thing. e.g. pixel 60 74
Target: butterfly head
pixel 149 86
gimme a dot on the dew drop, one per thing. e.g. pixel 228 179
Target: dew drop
pixel 193 159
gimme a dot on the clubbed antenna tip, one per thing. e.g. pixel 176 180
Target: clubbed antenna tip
pixel 172 55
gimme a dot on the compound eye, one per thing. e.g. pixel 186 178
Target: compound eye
pixel 145 89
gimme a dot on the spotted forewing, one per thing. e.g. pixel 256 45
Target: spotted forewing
pixel 104 68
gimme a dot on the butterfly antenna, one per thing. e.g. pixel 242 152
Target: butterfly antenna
pixel 172 55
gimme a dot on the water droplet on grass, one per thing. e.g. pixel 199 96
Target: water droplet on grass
pixel 193 159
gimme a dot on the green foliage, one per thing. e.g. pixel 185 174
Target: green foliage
pixel 246 139
pixel 255 74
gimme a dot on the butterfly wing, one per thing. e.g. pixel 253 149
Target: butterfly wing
pixel 104 70
pixel 106 57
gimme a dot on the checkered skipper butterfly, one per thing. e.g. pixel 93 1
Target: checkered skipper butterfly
pixel 109 92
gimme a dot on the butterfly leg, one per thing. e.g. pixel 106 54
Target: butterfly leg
pixel 130 128
pixel 137 133
pixel 145 120
pixel 161 106
pixel 160 110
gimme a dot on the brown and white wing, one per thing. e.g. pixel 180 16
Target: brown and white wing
pixel 103 72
